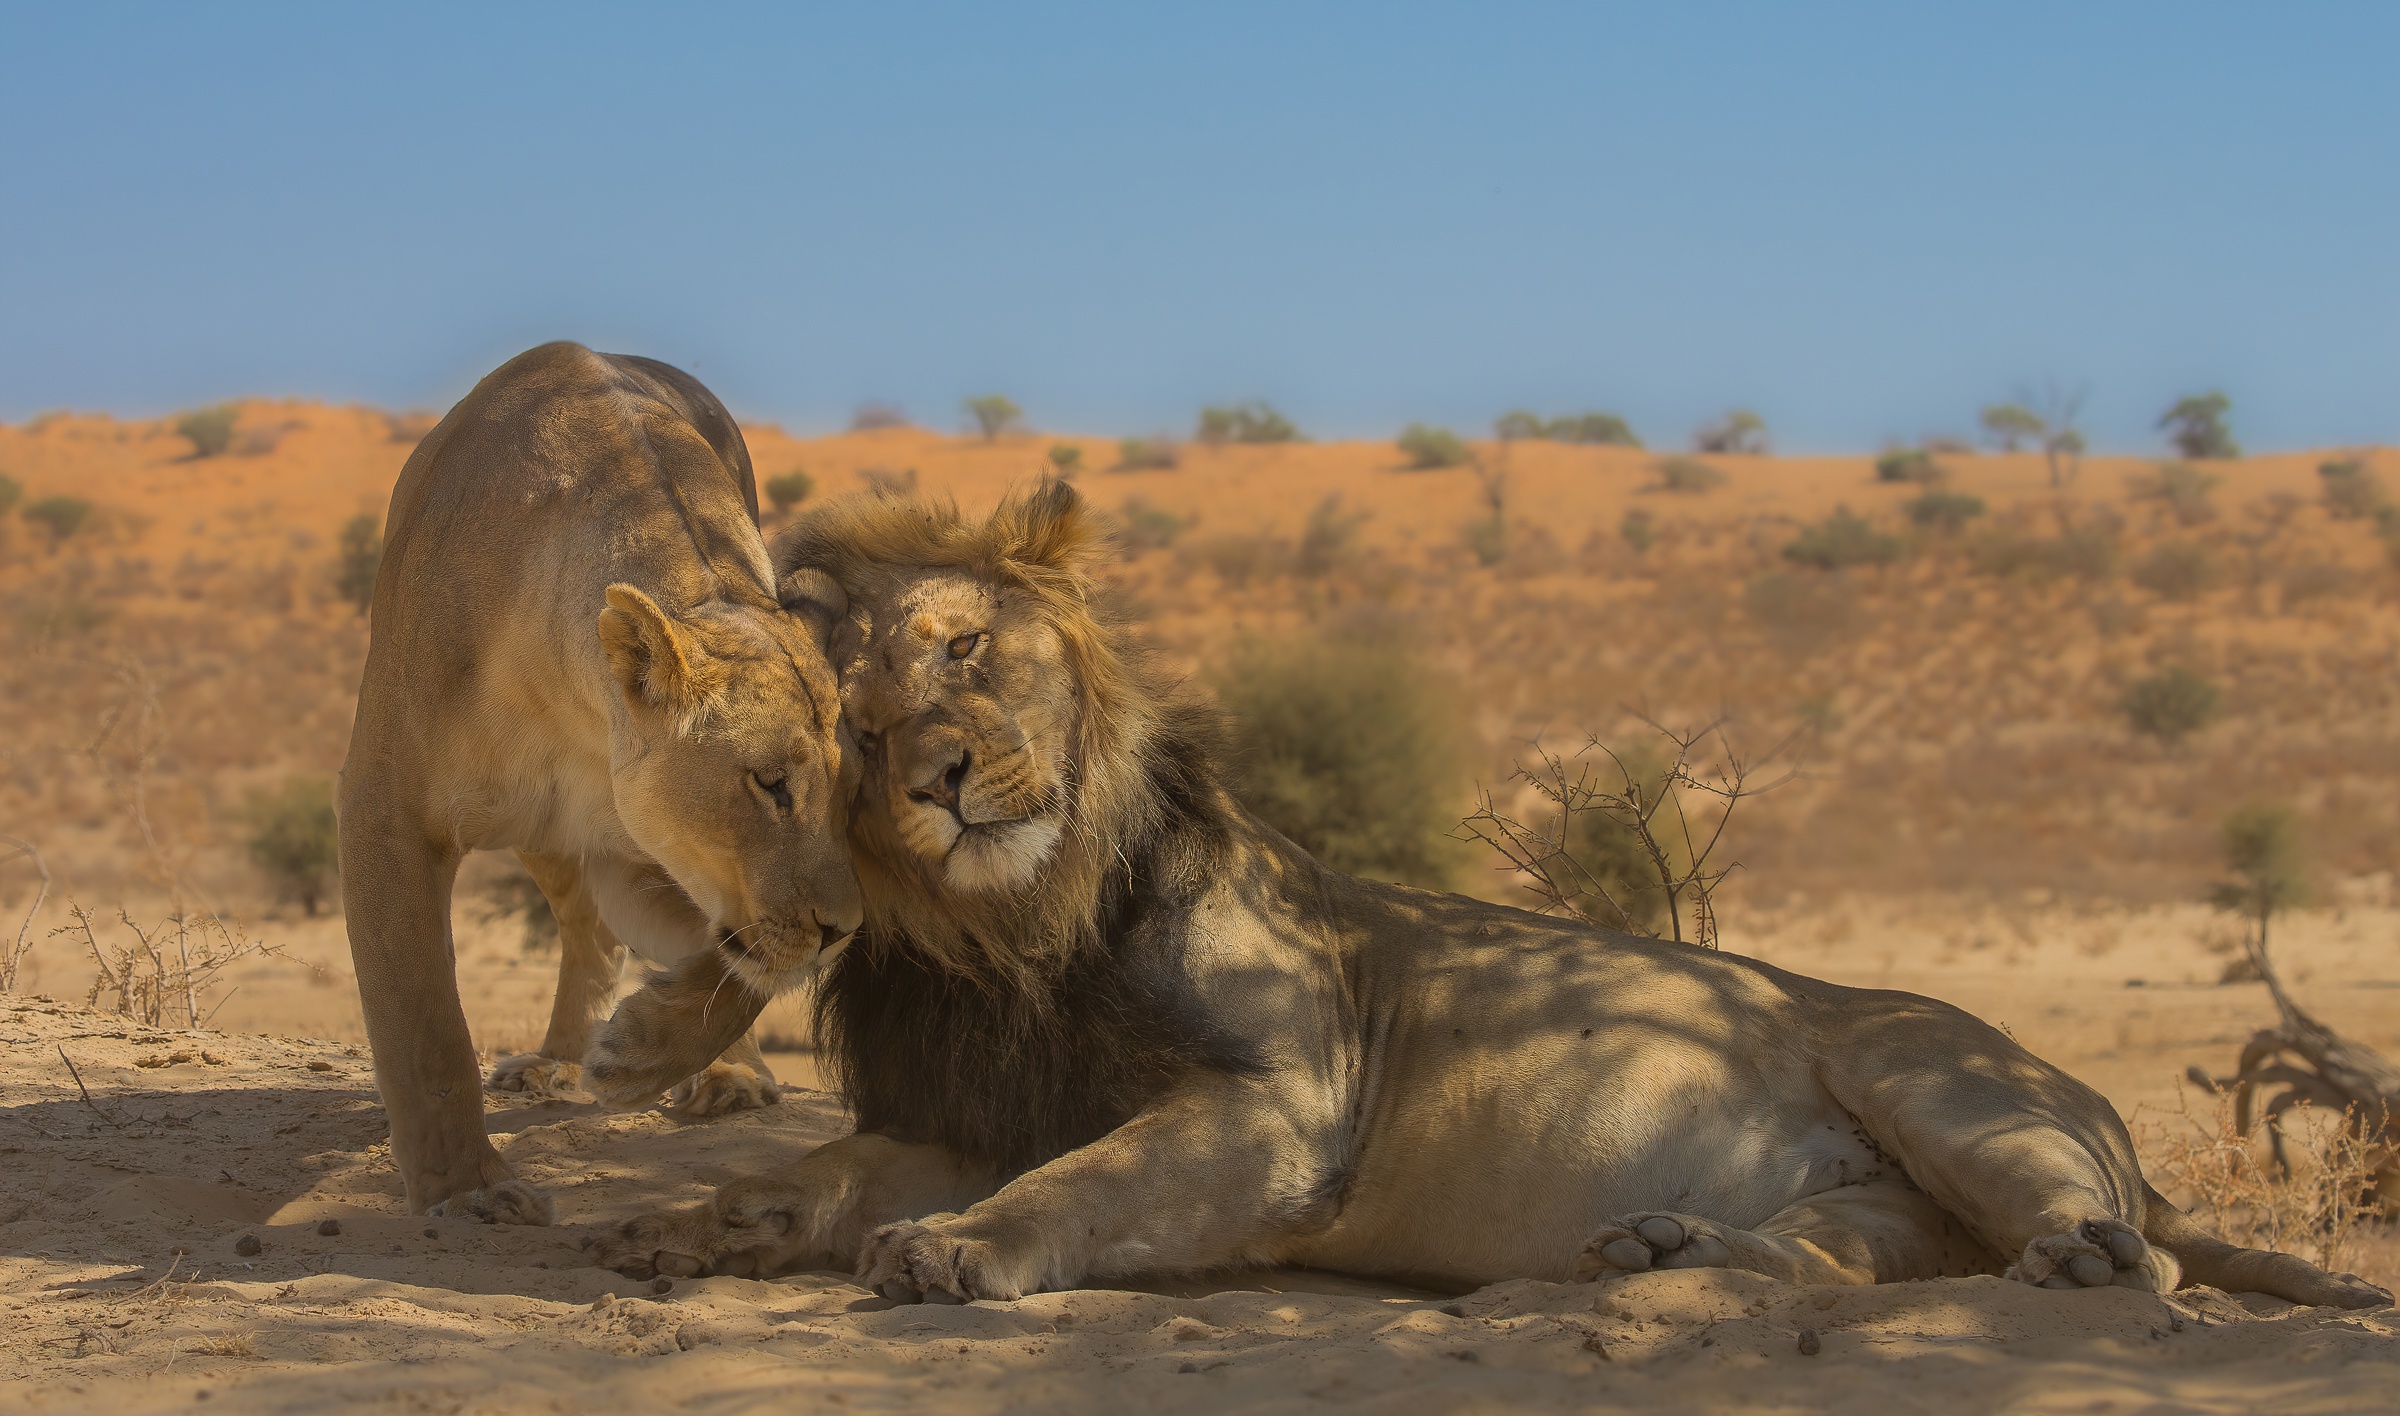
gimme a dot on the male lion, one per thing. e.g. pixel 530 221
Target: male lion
pixel 1101 1021
pixel 579 652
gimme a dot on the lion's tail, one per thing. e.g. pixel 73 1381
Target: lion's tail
pixel 2210 1260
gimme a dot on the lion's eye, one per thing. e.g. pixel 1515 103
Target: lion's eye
pixel 965 644
pixel 778 787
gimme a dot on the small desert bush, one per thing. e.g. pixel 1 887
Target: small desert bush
pixel 2183 488
pixel 1638 530
pixel 1348 748
pixel 2350 488
pixel 2196 426
pixel 789 490
pixel 1066 461
pixel 994 414
pixel 2085 552
pixel 165 971
pixel 10 490
pixel 1738 431
pixel 1842 540
pixel 1429 448
pixel 1151 454
pixel 1149 527
pixel 2212 1169
pixel 1252 422
pixel 1329 540
pixel 2176 570
pixel 871 416
pixel 60 516
pixel 293 839
pixel 1487 537
pixel 208 430
pixel 2315 580
pixel 1598 429
pixel 1907 464
pixel 360 559
pixel 1688 475
pixel 2170 705
pixel 1948 512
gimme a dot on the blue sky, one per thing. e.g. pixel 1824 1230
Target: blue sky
pixel 1862 220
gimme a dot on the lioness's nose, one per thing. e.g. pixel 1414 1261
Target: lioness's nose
pixel 942 790
pixel 829 935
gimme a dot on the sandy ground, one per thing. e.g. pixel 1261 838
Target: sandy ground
pixel 124 1282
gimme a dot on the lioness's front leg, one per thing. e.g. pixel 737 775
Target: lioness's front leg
pixel 589 960
pixel 814 1216
pixel 1217 1172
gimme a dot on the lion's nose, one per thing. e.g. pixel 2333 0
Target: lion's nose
pixel 943 789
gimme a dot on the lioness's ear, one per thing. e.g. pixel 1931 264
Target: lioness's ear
pixel 815 597
pixel 655 663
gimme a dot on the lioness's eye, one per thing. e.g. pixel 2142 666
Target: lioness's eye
pixel 965 644
pixel 779 788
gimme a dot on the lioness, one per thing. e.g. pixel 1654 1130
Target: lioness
pixel 580 653
pixel 1102 1022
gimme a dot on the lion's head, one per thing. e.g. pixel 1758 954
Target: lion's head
pixel 1009 732
pixel 728 769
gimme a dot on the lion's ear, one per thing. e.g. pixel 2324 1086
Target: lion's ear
pixel 1053 528
pixel 656 663
pixel 816 598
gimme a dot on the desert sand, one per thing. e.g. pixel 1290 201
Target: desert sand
pixel 1977 825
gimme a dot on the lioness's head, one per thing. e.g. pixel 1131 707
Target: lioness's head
pixel 730 771
pixel 1002 723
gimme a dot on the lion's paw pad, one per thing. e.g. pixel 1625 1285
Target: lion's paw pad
pixel 913 1263
pixel 1637 1243
pixel 2097 1253
pixel 534 1073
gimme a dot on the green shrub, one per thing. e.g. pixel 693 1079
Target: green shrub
pixel 1519 425
pixel 1606 844
pixel 1149 527
pixel 2261 843
pixel 2170 705
pixel 789 490
pixel 1153 454
pixel 2009 425
pixel 1841 540
pixel 1066 460
pixel 1801 614
pixel 2196 426
pixel 994 414
pixel 209 430
pixel 1598 429
pixel 2350 488
pixel 1937 510
pixel 10 491
pixel 2176 570
pixel 2085 552
pixel 1430 448
pixel 292 839
pixel 1738 431
pixel 1638 530
pixel 1687 474
pixel 60 516
pixel 1252 422
pixel 1327 541
pixel 1348 749
pixel 1907 464
pixel 1487 537
pixel 361 558
pixel 2182 487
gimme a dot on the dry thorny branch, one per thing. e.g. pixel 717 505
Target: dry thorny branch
pixel 2309 1204
pixel 168 967
pixel 1639 811
pixel 13 953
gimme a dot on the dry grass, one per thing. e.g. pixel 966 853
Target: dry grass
pixel 2218 1172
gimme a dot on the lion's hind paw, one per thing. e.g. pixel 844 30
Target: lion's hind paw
pixel 509 1202
pixel 2097 1253
pixel 1635 1243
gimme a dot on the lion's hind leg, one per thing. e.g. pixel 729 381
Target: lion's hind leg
pixel 1881 1231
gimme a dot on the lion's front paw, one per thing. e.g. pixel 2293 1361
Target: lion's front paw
pixel 936 1261
pixel 509 1202
pixel 1637 1242
pixel 749 1229
pixel 724 1087
pixel 2098 1253
pixel 532 1072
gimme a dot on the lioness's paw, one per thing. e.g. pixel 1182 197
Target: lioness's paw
pixel 724 1087
pixel 532 1072
pixel 509 1202
pixel 1637 1242
pixel 746 1230
pixel 2098 1253
pixel 928 1262
pixel 2348 1290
